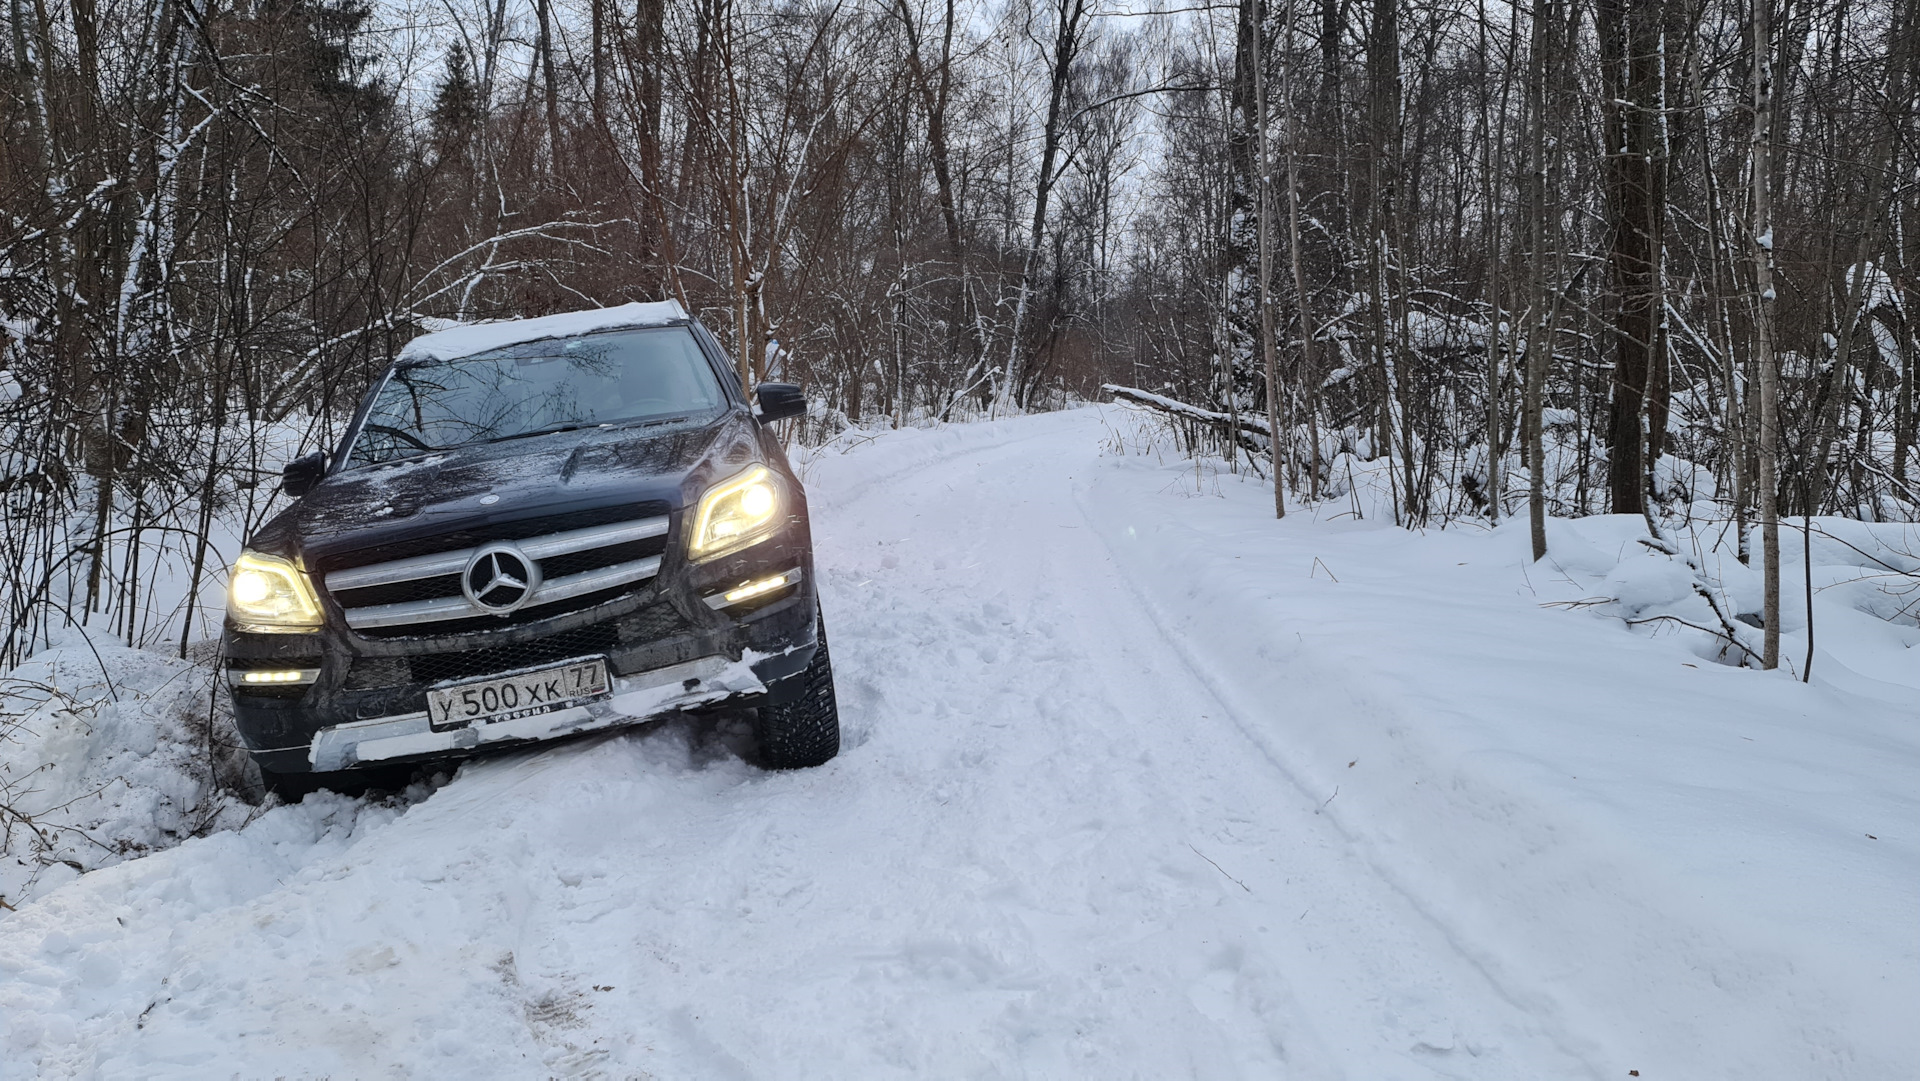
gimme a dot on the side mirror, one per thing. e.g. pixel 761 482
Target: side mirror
pixel 301 474
pixel 778 401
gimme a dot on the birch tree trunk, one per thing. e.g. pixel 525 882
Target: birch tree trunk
pixel 1308 376
pixel 1493 168
pixel 1539 337
pixel 1265 218
pixel 1383 109
pixel 1761 179
pixel 550 83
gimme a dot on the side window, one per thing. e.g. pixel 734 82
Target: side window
pixel 723 365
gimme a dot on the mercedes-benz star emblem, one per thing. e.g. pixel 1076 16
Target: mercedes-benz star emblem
pixel 500 578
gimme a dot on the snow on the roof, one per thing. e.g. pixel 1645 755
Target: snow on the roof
pixel 466 340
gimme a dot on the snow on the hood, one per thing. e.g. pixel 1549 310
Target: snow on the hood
pixel 462 341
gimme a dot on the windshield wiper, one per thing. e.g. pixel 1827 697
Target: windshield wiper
pixel 550 429
pixel 401 434
pixel 652 422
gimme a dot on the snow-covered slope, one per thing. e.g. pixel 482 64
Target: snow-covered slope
pixel 105 756
pixel 1137 783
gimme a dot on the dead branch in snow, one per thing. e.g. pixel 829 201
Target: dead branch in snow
pixel 1735 642
pixel 1708 590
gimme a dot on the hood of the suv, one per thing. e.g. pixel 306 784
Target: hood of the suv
pixel 491 484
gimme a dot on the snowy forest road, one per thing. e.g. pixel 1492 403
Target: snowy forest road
pixel 1048 849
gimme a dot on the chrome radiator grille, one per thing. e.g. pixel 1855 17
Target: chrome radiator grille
pixel 392 596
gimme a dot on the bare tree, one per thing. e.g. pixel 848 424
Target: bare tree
pixel 1764 360
pixel 1505 229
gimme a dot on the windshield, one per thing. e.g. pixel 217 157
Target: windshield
pixel 614 377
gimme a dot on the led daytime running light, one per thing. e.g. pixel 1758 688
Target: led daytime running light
pixel 269 676
pixel 747 591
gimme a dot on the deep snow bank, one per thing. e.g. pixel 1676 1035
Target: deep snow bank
pixel 107 754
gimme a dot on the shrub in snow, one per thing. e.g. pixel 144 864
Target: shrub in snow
pixel 1865 584
pixel 108 753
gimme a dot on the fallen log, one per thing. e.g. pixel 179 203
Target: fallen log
pixel 1243 428
pixel 1250 422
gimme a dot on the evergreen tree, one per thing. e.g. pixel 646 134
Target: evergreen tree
pixel 456 104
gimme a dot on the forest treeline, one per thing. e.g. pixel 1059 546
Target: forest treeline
pixel 1513 250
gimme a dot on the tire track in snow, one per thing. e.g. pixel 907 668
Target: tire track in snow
pixel 1232 702
pixel 1096 578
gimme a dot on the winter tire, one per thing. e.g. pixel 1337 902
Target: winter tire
pixel 803 730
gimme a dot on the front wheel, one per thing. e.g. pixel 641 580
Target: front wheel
pixel 804 729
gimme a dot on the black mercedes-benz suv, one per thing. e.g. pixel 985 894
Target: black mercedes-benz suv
pixel 531 529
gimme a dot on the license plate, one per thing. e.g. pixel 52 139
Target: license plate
pixel 524 694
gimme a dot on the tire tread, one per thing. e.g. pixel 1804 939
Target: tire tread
pixel 804 731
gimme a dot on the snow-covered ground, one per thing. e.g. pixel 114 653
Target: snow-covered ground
pixel 1137 783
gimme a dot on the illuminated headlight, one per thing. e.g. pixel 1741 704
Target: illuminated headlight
pixel 735 513
pixel 269 595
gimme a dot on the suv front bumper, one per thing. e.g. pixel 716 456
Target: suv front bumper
pixel 701 656
pixel 634 698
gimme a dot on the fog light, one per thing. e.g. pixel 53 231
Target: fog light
pixel 747 591
pixel 255 677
